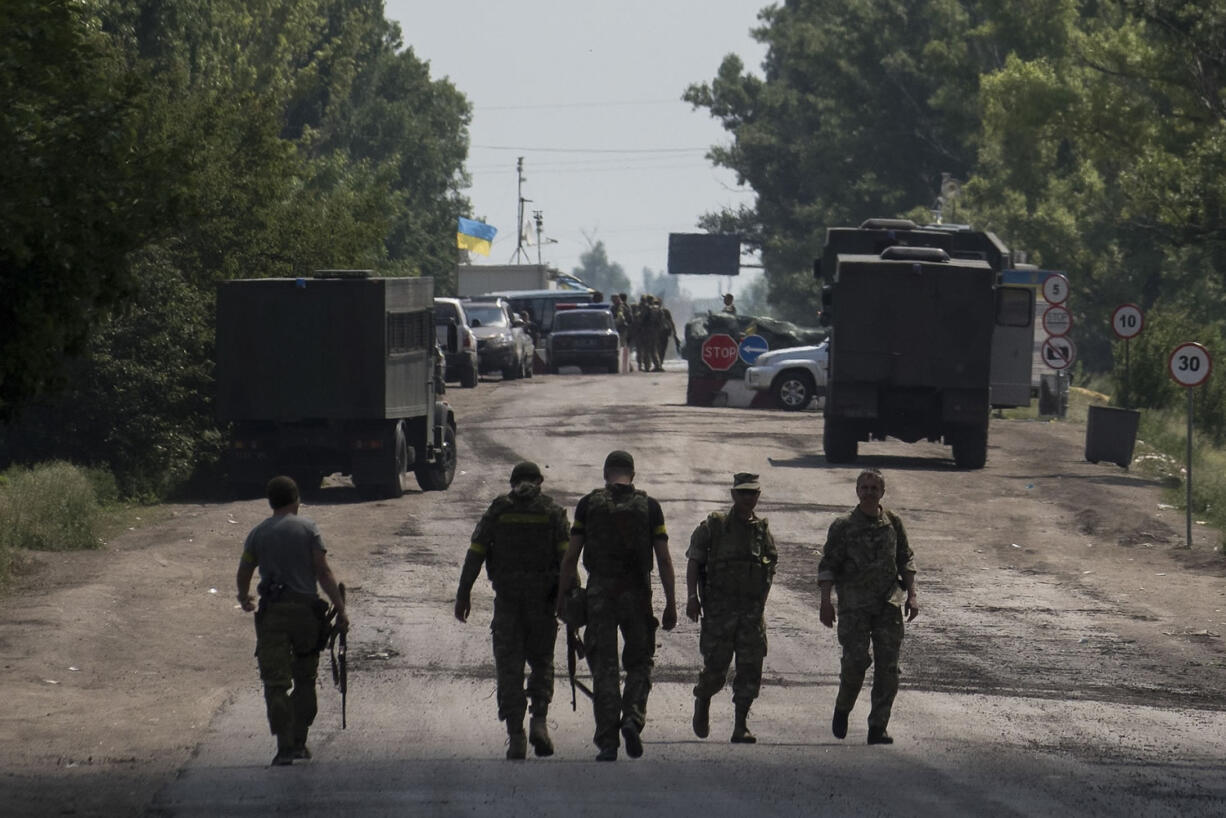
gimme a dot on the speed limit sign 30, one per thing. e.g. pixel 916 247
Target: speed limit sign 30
pixel 1190 364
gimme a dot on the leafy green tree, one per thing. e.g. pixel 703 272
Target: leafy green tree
pixel 82 187
pixel 600 273
pixel 861 108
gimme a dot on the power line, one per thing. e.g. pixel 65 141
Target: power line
pixel 589 150
pixel 546 105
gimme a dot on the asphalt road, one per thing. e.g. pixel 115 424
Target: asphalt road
pixel 1067 660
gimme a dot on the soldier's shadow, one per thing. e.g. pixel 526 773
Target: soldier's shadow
pixel 817 461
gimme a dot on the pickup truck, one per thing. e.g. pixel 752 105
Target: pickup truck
pixel 795 375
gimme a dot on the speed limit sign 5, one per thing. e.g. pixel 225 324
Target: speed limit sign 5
pixel 1190 364
pixel 1055 289
pixel 1127 321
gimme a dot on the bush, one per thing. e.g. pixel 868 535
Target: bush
pixel 50 507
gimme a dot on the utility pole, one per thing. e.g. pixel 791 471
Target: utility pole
pixel 520 254
pixel 540 221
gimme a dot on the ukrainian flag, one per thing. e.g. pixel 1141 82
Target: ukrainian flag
pixel 475 236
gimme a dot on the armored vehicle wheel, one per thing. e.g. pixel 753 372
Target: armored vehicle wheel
pixel 970 448
pixel 437 476
pixel 793 390
pixel 398 476
pixel 468 377
pixel 838 442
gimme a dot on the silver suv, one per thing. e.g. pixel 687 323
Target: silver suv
pixel 502 342
pixel 461 363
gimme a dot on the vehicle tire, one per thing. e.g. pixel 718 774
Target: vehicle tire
pixel 793 390
pixel 437 476
pixel 513 371
pixel 468 377
pixel 614 367
pixel 398 466
pixel 970 447
pixel 838 442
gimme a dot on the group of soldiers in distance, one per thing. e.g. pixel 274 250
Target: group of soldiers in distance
pixel 646 326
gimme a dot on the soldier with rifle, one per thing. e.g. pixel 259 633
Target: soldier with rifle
pixel 291 622
pixel 520 540
pixel 617 531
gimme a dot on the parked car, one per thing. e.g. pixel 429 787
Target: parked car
pixel 503 345
pixel 542 305
pixel 461 365
pixel 585 338
pixel 794 375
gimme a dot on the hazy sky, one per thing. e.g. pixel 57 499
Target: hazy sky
pixel 590 96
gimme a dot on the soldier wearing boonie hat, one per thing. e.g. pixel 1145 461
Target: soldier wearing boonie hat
pixel 617 531
pixel 731 564
pixel 521 539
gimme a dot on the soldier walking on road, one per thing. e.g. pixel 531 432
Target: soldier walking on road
pixel 668 332
pixel 732 560
pixel 729 307
pixel 290 623
pixel 622 320
pixel 617 530
pixel 868 560
pixel 520 539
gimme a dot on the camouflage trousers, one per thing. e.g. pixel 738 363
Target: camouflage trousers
pixel 883 628
pixel 648 353
pixel 618 605
pixel 724 633
pixel 524 630
pixel 286 642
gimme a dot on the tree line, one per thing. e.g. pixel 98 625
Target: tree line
pixel 1088 133
pixel 152 150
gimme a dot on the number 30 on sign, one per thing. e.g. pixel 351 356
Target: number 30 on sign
pixel 1190 364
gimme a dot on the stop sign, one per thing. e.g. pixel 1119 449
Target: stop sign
pixel 719 352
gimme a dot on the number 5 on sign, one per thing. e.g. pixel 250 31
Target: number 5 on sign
pixel 1190 364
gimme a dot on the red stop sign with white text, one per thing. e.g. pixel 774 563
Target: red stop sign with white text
pixel 719 352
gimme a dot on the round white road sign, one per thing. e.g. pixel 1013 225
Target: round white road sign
pixel 1059 352
pixel 1057 320
pixel 1055 289
pixel 1190 364
pixel 1127 321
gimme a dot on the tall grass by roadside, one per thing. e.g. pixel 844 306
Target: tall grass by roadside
pixel 51 507
pixel 1161 452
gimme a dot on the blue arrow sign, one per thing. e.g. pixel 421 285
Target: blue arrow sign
pixel 751 347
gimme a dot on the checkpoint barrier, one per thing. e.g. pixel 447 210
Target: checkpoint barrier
pixel 726 387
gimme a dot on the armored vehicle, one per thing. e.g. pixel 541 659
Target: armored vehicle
pixel 919 318
pixel 333 374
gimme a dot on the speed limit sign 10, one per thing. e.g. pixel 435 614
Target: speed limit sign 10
pixel 1190 364
pixel 1127 321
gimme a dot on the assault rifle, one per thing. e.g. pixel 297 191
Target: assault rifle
pixel 337 648
pixel 574 650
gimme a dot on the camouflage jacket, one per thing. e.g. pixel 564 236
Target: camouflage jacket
pixel 865 557
pixel 738 559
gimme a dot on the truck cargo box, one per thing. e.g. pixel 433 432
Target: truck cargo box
pixel 326 349
pixel 908 323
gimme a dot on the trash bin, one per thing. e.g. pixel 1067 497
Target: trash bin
pixel 1111 434
pixel 1053 395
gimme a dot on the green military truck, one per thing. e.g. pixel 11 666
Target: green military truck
pixel 333 373
pixel 925 338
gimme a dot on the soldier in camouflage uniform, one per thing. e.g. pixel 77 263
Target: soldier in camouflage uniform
pixel 732 560
pixel 617 531
pixel 868 560
pixel 520 539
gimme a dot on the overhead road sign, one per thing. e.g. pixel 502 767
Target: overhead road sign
pixel 711 254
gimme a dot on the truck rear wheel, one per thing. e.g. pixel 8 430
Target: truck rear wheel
pixel 793 390
pixel 970 448
pixel 437 476
pixel 398 476
pixel 838 442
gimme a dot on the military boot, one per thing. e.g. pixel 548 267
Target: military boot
pixel 702 717
pixel 517 742
pixel 878 735
pixel 538 731
pixel 740 730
